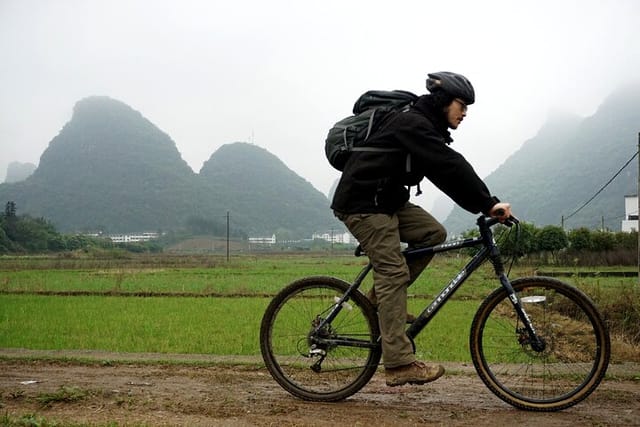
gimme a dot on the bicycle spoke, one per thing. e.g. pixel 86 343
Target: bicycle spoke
pixel 569 367
pixel 315 359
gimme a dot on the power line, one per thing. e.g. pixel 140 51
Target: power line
pixel 620 216
pixel 603 187
pixel 610 218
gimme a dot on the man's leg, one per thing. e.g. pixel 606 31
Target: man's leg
pixel 379 237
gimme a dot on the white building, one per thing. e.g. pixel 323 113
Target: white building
pixel 263 240
pixel 345 237
pixel 132 238
pixel 630 221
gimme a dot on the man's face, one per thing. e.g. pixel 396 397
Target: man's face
pixel 456 112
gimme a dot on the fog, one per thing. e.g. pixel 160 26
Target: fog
pixel 279 73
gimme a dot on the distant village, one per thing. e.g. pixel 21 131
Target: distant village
pixel 628 224
pixel 328 236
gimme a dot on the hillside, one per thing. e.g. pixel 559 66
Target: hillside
pixel 17 171
pixel 566 163
pixel 108 169
pixel 260 189
pixel 111 169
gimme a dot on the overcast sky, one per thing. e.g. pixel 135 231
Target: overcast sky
pixel 279 73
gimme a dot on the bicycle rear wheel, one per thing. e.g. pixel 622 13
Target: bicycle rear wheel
pixel 320 364
pixel 566 371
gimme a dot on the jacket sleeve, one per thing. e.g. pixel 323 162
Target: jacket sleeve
pixel 444 167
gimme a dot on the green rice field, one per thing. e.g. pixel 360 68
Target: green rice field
pixel 212 309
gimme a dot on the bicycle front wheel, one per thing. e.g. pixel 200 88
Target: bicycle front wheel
pixel 314 359
pixel 576 345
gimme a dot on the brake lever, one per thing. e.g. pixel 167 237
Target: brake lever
pixel 511 221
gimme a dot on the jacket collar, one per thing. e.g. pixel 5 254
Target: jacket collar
pixel 426 106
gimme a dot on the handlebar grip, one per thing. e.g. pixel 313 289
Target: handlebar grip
pixel 512 220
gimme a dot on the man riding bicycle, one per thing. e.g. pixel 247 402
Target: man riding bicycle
pixel 372 199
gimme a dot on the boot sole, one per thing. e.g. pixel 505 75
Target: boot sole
pixel 420 382
pixel 414 382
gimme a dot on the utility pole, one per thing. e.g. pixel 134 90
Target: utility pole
pixel 227 236
pixel 638 215
pixel 332 241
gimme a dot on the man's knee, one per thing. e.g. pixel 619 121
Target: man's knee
pixel 433 235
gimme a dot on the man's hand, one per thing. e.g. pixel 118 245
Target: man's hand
pixel 502 211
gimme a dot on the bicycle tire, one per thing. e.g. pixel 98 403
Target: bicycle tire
pixel 577 345
pixel 285 340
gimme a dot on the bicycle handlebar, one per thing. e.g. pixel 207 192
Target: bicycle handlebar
pixel 509 222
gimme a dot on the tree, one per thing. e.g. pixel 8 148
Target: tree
pixel 580 239
pixel 6 245
pixel 552 238
pixel 34 235
pixel 603 240
pixel 10 210
pixel 627 240
pixel 10 220
pixel 515 242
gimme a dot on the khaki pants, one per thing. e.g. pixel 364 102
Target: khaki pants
pixel 380 236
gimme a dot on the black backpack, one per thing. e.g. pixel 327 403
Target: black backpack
pixel 351 133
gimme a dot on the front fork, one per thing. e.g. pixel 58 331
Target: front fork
pixel 536 342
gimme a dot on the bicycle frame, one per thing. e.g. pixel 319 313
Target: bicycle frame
pixel 488 250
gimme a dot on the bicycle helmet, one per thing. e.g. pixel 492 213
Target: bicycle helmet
pixel 454 84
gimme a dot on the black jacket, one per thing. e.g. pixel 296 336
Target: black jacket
pixel 375 182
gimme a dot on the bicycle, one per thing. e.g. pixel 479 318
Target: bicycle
pixel 537 343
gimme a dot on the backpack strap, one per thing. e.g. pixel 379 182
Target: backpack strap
pixel 380 149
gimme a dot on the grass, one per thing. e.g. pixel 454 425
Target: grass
pixel 164 325
pixel 220 326
pixel 64 394
pixel 33 420
pixel 446 338
pixel 242 276
pixel 224 325
pixel 248 275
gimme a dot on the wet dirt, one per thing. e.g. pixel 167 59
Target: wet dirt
pixel 158 390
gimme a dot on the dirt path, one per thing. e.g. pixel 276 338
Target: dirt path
pixel 199 391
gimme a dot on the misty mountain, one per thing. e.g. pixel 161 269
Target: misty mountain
pixel 263 190
pixel 108 169
pixel 17 171
pixel 111 169
pixel 556 172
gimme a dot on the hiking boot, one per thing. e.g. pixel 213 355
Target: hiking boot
pixel 413 373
